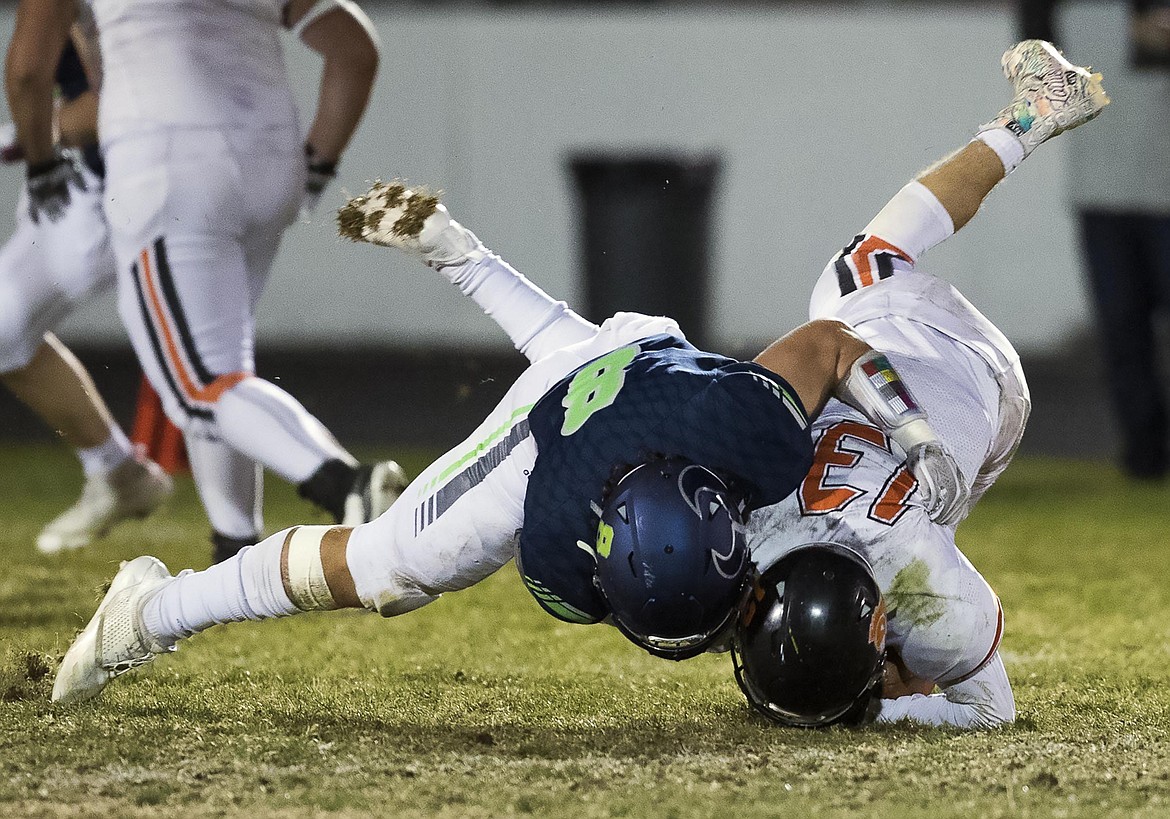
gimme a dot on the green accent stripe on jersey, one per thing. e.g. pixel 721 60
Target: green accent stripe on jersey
pixel 795 408
pixel 556 605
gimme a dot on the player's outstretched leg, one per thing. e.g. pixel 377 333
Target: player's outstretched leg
pixel 147 611
pixel 120 483
pixel 1052 95
pixel 393 215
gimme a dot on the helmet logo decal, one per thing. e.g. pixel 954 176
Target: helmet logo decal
pixel 877 626
pixel 720 561
pixel 695 484
pixel 604 538
pixel 691 496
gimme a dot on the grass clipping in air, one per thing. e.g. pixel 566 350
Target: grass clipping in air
pixel 362 218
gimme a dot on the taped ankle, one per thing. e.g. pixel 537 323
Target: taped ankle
pixel 304 571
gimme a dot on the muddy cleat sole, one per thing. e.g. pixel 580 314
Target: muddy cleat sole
pixel 113 642
pixel 1052 95
pixel 374 491
pixel 392 215
pixel 133 490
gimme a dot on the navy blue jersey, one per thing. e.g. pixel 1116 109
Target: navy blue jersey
pixel 70 78
pixel 658 396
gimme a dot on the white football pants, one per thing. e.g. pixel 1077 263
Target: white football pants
pixel 48 269
pixel 196 217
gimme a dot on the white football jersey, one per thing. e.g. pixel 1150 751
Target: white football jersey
pixel 191 64
pixel 943 617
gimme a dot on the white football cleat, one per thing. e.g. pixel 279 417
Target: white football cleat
pixel 1052 94
pixel 132 490
pixel 374 490
pixel 113 642
pixel 393 215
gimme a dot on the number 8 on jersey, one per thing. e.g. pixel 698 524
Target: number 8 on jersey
pixel 596 387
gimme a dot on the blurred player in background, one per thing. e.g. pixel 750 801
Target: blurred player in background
pixel 1119 185
pixel 866 604
pixel 59 256
pixel 618 469
pixel 206 166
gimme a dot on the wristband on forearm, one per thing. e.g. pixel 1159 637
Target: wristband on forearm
pixel 319 166
pixel 874 388
pixel 43 167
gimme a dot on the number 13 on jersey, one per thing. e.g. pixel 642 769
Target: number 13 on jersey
pixel 596 387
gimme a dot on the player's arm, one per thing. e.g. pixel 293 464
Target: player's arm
pixel 900 681
pixel 77 121
pixel 826 358
pixel 344 36
pixel 42 27
pixel 813 359
pixel 983 700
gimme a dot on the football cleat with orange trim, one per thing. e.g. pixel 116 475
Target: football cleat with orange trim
pixel 1052 94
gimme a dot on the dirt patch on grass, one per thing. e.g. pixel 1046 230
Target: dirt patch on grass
pixel 25 675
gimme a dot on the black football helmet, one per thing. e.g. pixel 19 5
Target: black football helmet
pixel 672 558
pixel 809 650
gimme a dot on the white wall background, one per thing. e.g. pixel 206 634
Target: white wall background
pixel 819 116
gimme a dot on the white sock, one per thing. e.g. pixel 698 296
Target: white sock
pixel 269 426
pixel 1007 147
pixel 535 322
pixel 245 587
pixel 914 221
pixel 230 485
pixel 106 456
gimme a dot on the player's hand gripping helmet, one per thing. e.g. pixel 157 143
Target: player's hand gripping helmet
pixel 810 648
pixel 672 560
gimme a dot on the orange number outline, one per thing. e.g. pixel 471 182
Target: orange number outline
pixel 832 450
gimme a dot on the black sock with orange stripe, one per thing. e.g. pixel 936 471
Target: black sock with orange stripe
pixel 329 486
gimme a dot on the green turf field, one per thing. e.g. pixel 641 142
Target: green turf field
pixel 480 705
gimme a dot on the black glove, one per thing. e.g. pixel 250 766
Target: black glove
pixel 318 175
pixel 48 187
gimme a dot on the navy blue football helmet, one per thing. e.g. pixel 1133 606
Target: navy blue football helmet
pixel 672 558
pixel 810 649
